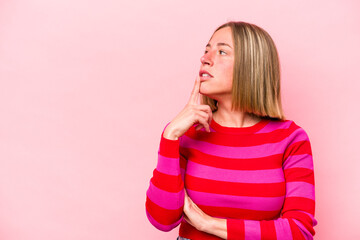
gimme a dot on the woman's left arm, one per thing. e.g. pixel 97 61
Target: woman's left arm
pixel 203 222
pixel 296 220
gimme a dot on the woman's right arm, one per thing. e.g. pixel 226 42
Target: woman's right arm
pixel 165 195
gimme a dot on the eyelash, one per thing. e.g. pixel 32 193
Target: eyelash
pixel 219 51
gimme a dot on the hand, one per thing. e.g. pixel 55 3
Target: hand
pixel 192 113
pixel 195 216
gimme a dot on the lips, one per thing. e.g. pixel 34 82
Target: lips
pixel 205 77
pixel 204 72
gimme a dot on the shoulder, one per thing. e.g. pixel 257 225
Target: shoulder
pixel 296 129
pixel 288 129
pixel 276 126
pixel 296 135
pixel 298 143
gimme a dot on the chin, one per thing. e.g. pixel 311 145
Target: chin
pixel 208 92
pixel 209 95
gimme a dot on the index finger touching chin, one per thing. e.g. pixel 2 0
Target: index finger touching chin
pixel 195 92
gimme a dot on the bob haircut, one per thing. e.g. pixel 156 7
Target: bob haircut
pixel 256 75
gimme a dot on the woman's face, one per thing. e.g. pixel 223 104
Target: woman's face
pixel 218 62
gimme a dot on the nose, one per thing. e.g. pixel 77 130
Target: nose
pixel 206 59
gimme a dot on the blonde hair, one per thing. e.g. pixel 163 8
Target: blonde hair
pixel 256 76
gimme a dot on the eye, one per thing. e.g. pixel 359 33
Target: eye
pixel 205 51
pixel 221 51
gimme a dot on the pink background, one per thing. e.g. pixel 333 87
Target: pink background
pixel 88 86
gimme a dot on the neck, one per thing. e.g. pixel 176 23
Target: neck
pixel 233 118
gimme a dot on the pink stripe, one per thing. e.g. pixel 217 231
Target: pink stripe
pixel 182 174
pixel 243 176
pixel 243 152
pixel 300 189
pixel 297 136
pixel 166 199
pixel 165 228
pixel 307 235
pixel 170 166
pixel 275 125
pixel 299 161
pixel 282 228
pixel 230 201
pixel 252 230
pixel 314 221
pixel 203 129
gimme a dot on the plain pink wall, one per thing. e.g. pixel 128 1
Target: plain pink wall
pixel 88 86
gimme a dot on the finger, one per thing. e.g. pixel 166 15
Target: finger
pixel 185 192
pixel 188 220
pixel 195 92
pixel 186 203
pixel 198 127
pixel 206 108
pixel 190 201
pixel 203 119
pixel 205 124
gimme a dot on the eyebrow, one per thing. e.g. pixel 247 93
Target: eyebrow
pixel 219 44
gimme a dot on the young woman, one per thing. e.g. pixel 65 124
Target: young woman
pixel 230 166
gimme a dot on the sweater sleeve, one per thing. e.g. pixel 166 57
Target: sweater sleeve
pixel 165 195
pixel 296 219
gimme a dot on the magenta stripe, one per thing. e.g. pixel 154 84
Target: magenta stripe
pixel 282 228
pixel 203 129
pixel 166 199
pixel 299 161
pixel 297 136
pixel 160 226
pixel 300 189
pixel 170 166
pixel 242 176
pixel 252 230
pixel 243 152
pixel 274 125
pixel 307 235
pixel 183 174
pixel 230 201
pixel 314 221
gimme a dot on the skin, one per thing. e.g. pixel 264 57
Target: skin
pixel 218 60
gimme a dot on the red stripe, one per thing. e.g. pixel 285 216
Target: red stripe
pixel 238 213
pixel 303 218
pixel 298 203
pixel 234 140
pixel 299 175
pixel 268 162
pixel 237 189
pixel 162 215
pixel 267 230
pixel 235 229
pixel 167 182
pixel 169 148
pixel 300 147
pixel 295 230
pixel 188 231
pixel 292 128
pixel 183 162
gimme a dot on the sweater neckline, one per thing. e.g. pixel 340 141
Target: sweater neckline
pixel 238 130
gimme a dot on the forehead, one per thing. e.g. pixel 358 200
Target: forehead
pixel 223 35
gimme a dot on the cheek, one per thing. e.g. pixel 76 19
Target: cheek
pixel 229 73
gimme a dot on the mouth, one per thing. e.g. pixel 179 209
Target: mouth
pixel 204 75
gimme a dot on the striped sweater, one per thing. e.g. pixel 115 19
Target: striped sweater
pixel 259 178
